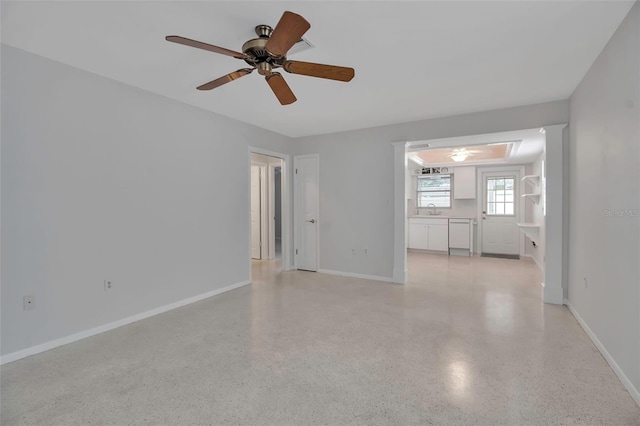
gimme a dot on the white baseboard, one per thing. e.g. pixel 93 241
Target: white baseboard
pixel 623 377
pixel 553 295
pixel 535 260
pixel 400 275
pixel 14 356
pixel 352 275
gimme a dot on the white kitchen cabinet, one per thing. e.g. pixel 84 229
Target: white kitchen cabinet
pixel 464 183
pixel 429 234
pixel 438 237
pixel 418 236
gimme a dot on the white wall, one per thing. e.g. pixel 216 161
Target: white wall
pixel 104 181
pixel 356 202
pixel 604 183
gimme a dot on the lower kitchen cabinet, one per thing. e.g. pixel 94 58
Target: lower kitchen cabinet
pixel 438 237
pixel 418 236
pixel 429 234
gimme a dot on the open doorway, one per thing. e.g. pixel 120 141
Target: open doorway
pixel 269 230
pixel 475 196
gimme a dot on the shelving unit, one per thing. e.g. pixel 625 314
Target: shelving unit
pixel 531 230
pixel 533 180
pixel 533 197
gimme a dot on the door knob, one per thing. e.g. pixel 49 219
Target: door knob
pixel 312 221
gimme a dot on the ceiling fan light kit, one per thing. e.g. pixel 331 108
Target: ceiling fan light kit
pixel 268 52
pixel 460 154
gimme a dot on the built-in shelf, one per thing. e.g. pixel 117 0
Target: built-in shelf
pixel 533 180
pixel 533 197
pixel 531 230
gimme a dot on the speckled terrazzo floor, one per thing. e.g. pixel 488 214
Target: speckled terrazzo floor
pixel 466 342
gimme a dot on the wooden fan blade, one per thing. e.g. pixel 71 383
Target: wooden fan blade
pixel 281 89
pixel 289 30
pixel 225 79
pixel 330 72
pixel 205 46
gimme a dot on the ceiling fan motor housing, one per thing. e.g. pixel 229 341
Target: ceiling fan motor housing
pixel 256 49
pixel 264 68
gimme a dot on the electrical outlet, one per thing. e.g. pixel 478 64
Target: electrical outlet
pixel 353 251
pixel 28 302
pixel 585 281
pixel 107 285
pixel 366 251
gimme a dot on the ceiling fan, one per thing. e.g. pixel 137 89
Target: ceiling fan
pixel 268 52
pixel 461 154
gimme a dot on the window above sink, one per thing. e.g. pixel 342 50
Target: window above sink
pixel 434 190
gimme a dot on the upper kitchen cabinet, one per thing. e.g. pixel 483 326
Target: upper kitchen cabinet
pixel 464 183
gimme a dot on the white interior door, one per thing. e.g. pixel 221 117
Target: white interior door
pixel 500 213
pixel 305 180
pixel 256 223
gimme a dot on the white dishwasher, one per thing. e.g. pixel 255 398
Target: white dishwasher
pixel 460 237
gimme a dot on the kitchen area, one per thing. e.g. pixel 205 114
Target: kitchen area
pixel 478 199
pixel 442 213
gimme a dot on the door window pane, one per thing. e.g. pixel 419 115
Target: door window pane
pixel 500 196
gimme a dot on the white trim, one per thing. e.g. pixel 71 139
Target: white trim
pixel 400 276
pixel 264 213
pixel 400 224
pixel 607 356
pixel 353 275
pixel 556 229
pixel 14 356
pixel 263 183
pixel 271 215
pixel 535 260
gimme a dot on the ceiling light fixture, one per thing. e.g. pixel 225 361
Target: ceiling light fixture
pixel 417 160
pixel 459 154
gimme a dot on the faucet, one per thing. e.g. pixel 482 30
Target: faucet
pixel 434 209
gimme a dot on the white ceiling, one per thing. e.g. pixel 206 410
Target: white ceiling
pixel 413 59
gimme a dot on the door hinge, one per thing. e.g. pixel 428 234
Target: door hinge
pixel 296 171
pixel 296 251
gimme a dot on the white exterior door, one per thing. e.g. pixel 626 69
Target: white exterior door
pixel 305 181
pixel 500 213
pixel 256 222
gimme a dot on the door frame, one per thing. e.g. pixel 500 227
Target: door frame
pixel 271 221
pixel 480 194
pixel 297 220
pixel 285 208
pixel 264 230
pixel 556 230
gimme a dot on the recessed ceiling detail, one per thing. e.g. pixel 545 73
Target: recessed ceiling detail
pixel 482 153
